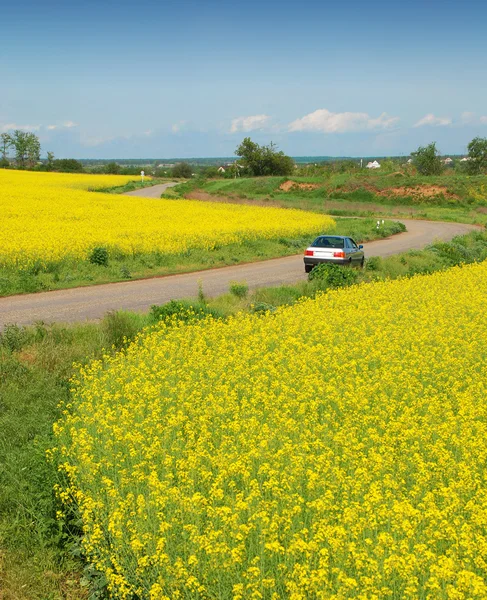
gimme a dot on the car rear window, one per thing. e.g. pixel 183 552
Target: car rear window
pixel 325 241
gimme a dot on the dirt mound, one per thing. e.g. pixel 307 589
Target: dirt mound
pixel 294 185
pixel 418 191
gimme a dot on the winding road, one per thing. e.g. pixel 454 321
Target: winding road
pixel 93 302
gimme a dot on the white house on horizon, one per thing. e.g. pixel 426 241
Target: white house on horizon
pixel 448 161
pixel 373 165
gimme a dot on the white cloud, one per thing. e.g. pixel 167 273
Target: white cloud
pixel 330 122
pixel 13 126
pixel 483 120
pixel 70 124
pixel 176 127
pixel 468 117
pixel 51 127
pixel 249 123
pixel 430 119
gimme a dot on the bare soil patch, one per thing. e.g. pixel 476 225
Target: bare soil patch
pixel 294 185
pixel 417 191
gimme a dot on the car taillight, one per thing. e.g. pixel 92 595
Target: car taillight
pixel 309 253
pixel 340 254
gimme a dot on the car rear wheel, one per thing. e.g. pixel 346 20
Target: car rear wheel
pixel 308 268
pixel 362 263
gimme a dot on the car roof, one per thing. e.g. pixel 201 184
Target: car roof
pixel 337 237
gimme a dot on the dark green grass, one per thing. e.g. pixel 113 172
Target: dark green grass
pixel 36 559
pixel 74 273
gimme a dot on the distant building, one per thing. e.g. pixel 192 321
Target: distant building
pixel 221 169
pixel 465 158
pixel 373 165
pixel 410 161
pixel 448 161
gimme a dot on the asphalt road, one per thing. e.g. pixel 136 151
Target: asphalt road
pixel 92 303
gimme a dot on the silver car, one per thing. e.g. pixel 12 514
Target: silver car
pixel 334 249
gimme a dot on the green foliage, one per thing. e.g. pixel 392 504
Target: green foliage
pixel 333 276
pixel 13 337
pixel 27 148
pixel 112 168
pixel 477 153
pixel 239 289
pixel 263 307
pixel 6 142
pixel 67 165
pixel 374 263
pixel 182 170
pixel 50 161
pixel 99 256
pixel 181 310
pixel 119 328
pixel 264 160
pixel 427 160
pixel 125 272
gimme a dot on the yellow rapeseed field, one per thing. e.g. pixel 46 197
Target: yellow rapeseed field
pixel 335 449
pixel 47 217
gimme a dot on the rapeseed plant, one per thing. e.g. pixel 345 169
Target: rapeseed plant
pixel 334 449
pixel 49 217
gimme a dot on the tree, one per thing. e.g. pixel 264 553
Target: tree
pixel 182 170
pixel 264 160
pixel 27 148
pixel 112 168
pixel 68 165
pixel 427 160
pixel 6 143
pixel 477 155
pixel 50 161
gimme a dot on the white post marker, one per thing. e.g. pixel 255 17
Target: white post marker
pixel 378 224
pixel 382 221
pixel 142 175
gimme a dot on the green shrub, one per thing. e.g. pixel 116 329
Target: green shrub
pixel 181 310
pixel 334 276
pixel 262 307
pixel 125 273
pixel 99 256
pixel 120 328
pixel 374 263
pixel 239 289
pixel 13 337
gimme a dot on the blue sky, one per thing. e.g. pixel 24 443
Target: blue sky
pixel 186 78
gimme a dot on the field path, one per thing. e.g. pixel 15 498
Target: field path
pixel 93 302
pixel 154 191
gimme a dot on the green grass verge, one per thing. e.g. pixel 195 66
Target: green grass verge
pixel 451 197
pixel 36 363
pixel 71 273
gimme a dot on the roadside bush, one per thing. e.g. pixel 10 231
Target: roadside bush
pixel 99 256
pixel 374 263
pixel 262 307
pixel 125 272
pixel 13 337
pixel 120 328
pixel 333 276
pixel 181 310
pixel 239 289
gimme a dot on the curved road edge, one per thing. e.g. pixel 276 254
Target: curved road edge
pixel 93 302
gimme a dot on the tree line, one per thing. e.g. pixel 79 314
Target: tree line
pixel 253 160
